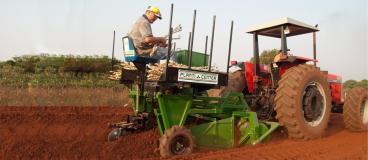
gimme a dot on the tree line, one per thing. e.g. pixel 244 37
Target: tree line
pixel 51 64
pixel 45 64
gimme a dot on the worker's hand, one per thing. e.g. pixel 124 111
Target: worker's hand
pixel 153 51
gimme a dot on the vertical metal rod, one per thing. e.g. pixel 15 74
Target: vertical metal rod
pixel 191 43
pixel 314 49
pixel 113 50
pixel 256 53
pixel 173 52
pixel 190 36
pixel 205 52
pixel 229 53
pixel 211 49
pixel 170 39
pixel 283 41
pixel 256 62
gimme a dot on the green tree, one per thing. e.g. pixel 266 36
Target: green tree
pixel 353 83
pixel 349 83
pixel 27 62
pixel 266 56
pixel 363 83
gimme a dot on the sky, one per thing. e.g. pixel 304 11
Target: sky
pixel 85 27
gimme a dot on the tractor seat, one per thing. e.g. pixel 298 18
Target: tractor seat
pixel 131 55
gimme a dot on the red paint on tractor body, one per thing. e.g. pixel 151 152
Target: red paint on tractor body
pixel 334 80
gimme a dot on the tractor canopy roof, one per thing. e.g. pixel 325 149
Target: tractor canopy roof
pixel 272 29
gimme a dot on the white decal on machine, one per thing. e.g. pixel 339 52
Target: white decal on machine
pixel 197 77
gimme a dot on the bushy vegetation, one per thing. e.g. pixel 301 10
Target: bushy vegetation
pixel 353 83
pixel 267 56
pixel 46 63
pixel 81 71
pixel 56 71
pixel 50 80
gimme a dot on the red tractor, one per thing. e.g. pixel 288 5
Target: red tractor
pixel 289 90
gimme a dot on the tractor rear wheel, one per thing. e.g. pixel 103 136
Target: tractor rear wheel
pixel 355 110
pixel 236 83
pixel 177 140
pixel 303 102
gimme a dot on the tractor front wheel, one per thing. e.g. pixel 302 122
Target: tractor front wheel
pixel 177 140
pixel 303 102
pixel 355 110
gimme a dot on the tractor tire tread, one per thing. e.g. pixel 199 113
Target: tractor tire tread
pixel 351 109
pixel 288 110
pixel 169 135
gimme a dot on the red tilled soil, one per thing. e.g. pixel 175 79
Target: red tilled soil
pixel 69 133
pixel 80 133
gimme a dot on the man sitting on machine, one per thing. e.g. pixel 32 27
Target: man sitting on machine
pixel 145 43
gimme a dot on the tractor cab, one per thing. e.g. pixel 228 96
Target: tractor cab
pixel 282 28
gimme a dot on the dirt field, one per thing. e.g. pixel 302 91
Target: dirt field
pixel 80 133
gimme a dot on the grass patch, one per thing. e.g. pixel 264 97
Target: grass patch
pixel 63 96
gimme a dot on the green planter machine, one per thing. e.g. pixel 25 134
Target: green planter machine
pixel 185 115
